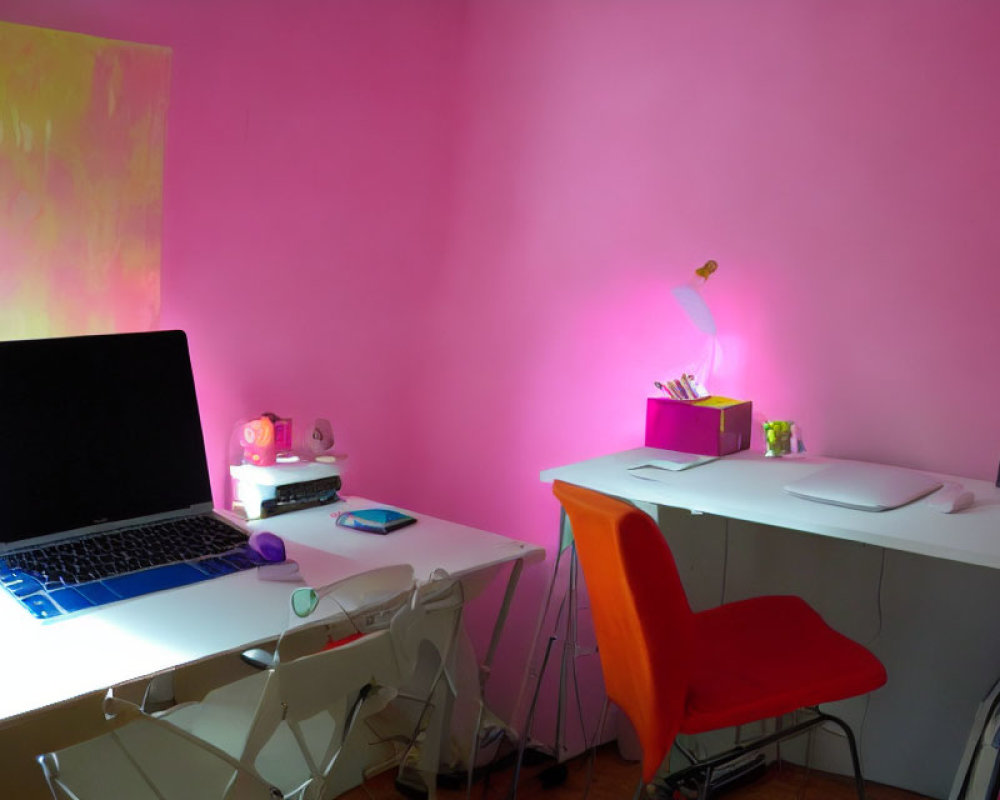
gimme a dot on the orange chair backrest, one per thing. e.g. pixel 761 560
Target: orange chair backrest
pixel 642 620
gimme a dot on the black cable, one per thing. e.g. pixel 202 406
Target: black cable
pixel 725 562
pixel 878 632
pixel 878 598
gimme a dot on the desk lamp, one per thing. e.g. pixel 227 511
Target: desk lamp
pixel 693 302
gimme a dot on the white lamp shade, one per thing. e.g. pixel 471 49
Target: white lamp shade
pixel 696 307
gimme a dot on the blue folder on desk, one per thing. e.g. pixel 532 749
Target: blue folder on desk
pixel 104 489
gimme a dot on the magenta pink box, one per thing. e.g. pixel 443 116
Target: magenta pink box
pixel 713 426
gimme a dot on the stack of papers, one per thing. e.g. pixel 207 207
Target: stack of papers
pixel 673 461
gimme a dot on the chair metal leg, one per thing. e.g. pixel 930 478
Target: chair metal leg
pixel 601 722
pixel 569 652
pixel 538 630
pixel 705 767
pixel 686 752
pixel 859 781
pixel 569 598
pixel 523 741
pixel 486 669
pixel 706 785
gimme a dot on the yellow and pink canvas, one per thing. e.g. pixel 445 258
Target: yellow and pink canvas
pixel 82 128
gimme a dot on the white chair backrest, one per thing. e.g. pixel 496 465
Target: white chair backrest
pixel 294 727
pixel 147 759
pixel 312 700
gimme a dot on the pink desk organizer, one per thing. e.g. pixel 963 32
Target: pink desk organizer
pixel 713 426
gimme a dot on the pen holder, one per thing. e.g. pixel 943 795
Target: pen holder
pixel 713 426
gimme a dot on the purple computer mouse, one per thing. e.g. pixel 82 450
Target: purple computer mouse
pixel 269 545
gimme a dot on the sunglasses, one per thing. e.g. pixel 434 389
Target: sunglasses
pixel 304 601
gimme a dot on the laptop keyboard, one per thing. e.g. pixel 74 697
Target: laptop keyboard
pixel 68 576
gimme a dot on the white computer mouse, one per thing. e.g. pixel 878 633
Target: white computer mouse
pixel 950 498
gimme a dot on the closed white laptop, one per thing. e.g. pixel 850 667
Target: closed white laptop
pixel 867 487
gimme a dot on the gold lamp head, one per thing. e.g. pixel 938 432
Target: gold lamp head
pixel 707 270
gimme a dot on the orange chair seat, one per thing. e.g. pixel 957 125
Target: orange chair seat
pixel 744 669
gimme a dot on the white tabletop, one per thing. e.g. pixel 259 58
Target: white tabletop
pixel 50 662
pixel 748 486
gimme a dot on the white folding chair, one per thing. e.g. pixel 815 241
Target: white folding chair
pixel 455 721
pixel 426 642
pixel 291 730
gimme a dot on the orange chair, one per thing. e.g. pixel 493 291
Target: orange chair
pixel 674 671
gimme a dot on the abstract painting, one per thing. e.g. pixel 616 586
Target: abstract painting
pixel 82 128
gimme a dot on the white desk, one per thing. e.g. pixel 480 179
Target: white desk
pixel 937 641
pixel 54 662
pixel 748 486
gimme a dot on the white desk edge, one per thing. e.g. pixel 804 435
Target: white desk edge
pixel 53 662
pixel 747 486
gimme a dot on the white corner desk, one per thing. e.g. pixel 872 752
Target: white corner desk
pixel 748 486
pixel 924 596
pixel 53 662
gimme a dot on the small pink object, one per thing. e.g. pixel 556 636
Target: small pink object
pixel 321 438
pixel 257 440
pixel 283 435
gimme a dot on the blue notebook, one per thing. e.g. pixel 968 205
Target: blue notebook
pixel 374 520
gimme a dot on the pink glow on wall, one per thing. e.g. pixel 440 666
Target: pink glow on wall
pixel 452 228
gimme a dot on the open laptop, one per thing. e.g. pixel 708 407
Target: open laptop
pixel 104 488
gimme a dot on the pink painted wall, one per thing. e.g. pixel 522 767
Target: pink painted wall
pixel 839 162
pixel 306 172
pixel 452 227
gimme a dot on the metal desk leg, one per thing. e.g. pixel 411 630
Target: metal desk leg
pixel 486 668
pixel 568 653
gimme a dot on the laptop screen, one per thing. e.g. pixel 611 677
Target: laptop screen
pixel 97 430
